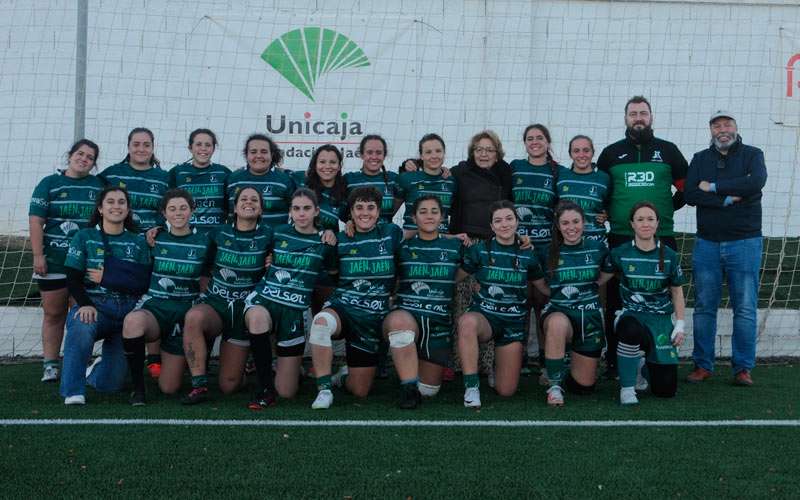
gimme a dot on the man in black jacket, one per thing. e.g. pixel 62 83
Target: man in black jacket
pixel 641 167
pixel 725 183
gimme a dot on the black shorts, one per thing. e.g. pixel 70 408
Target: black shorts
pixel 46 285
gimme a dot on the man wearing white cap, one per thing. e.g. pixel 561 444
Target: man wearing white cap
pixel 724 183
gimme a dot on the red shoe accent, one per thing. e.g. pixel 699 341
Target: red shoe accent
pixel 154 369
pixel 698 375
pixel 743 378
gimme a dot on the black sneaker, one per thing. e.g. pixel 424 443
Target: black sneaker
pixel 195 396
pixel 264 399
pixel 410 397
pixel 137 398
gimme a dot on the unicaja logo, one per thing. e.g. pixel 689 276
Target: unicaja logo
pixel 303 55
pixel 308 126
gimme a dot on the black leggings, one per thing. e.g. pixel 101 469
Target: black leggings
pixel 663 378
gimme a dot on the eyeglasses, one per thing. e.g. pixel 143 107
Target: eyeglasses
pixel 480 150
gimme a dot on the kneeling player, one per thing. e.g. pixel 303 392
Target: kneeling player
pixel 503 270
pixel 577 266
pixel 239 253
pixel 420 331
pixel 279 302
pixel 179 259
pixel 361 300
pixel 650 285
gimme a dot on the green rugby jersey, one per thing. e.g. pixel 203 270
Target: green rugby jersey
pixel 297 262
pixel 276 187
pixel 386 184
pixel 642 286
pixel 238 258
pixel 298 176
pixel 178 263
pixel 207 187
pixel 573 285
pixel 330 211
pixel 86 251
pixel 145 189
pixel 534 193
pixel 413 185
pixel 367 269
pixel 66 204
pixel 590 192
pixel 503 272
pixel 427 271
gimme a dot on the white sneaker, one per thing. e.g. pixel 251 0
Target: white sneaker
pixel 324 400
pixel 472 397
pixel 338 378
pixel 627 396
pixel 641 383
pixel 555 396
pixel 91 367
pixel 78 399
pixel 50 374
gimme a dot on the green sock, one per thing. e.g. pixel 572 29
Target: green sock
pixel 51 362
pixel 555 370
pixel 471 380
pixel 627 364
pixel 324 383
pixel 199 381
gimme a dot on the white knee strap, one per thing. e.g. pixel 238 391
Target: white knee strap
pixel 401 338
pixel 321 334
pixel 428 391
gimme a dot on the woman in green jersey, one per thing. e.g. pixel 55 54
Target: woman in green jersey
pixel 356 310
pixel 238 252
pixel 204 180
pixel 650 286
pixel 60 206
pixel 141 175
pixel 279 302
pixel 373 150
pixel 429 180
pixel 503 269
pixel 100 307
pixel 276 186
pixel 420 330
pixel 180 258
pixel 576 267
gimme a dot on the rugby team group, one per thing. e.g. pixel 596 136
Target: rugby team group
pixel 158 263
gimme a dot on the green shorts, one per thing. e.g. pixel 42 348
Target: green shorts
pixel 587 328
pixel 362 333
pixel 504 330
pixel 169 314
pixel 435 339
pixel 660 328
pixel 232 315
pixel 288 325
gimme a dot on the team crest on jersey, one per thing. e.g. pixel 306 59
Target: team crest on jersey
pixel 566 189
pixel 588 259
pixel 496 291
pixel 267 190
pixel 122 184
pixel 593 191
pixel 188 179
pixel 213 178
pixel 192 253
pixel 227 243
pixel 284 244
pixel 560 262
pixel 656 156
pixel 252 244
pixel 420 186
pixel 443 256
pixel 413 255
pixel 153 188
pixel 519 180
pixel 420 288
pixel 382 247
pixel 354 251
pixel 92 195
pixel 63 194
pixel 100 251
pixel 548 182
pixel 444 186
pixel 164 251
pixel 128 251
pixel 631 268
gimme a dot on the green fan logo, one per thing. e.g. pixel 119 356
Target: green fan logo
pixel 303 55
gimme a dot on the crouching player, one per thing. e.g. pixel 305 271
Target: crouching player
pixel 280 300
pixel 366 263
pixel 179 259
pixel 420 331
pixel 503 270
pixel 239 252
pixel 650 287
pixel 573 319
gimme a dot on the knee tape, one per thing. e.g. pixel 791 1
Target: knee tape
pixel 401 338
pixel 428 391
pixel 321 334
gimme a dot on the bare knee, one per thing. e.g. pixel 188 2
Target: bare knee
pixel 229 385
pixel 168 387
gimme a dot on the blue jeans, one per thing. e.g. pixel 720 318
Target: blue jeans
pixel 109 374
pixel 739 261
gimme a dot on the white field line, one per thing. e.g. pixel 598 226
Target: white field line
pixel 403 423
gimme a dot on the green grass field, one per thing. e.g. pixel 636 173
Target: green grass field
pixel 292 461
